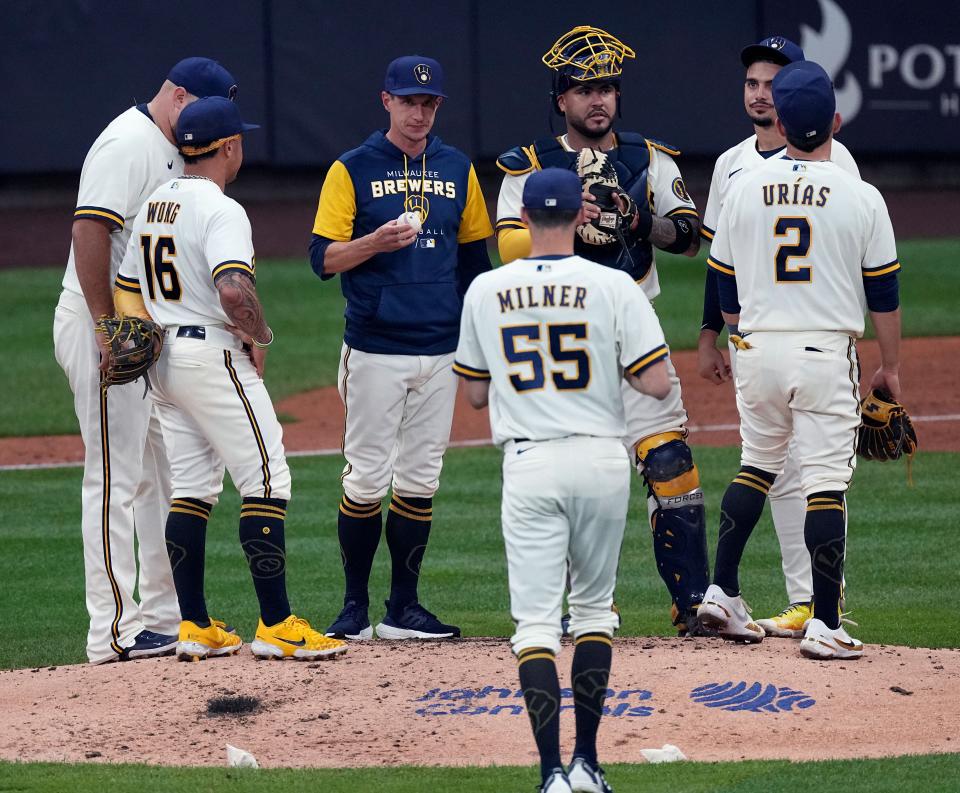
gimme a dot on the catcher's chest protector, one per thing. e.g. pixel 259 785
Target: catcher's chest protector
pixel 631 158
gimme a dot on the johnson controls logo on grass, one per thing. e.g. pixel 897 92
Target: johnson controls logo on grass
pixel 620 703
pixel 497 701
pixel 754 697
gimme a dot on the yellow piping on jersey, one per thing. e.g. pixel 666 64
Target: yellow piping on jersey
pixel 665 149
pixel 720 266
pixel 890 268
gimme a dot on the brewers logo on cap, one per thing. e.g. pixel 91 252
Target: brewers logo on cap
pixel 423 73
pixel 777 43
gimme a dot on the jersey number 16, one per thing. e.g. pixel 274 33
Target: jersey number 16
pixel 161 272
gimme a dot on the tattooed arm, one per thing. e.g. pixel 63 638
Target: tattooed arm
pixel 238 296
pixel 667 235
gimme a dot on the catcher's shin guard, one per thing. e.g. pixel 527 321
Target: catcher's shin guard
pixel 677 516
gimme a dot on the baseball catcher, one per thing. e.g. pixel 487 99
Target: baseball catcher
pixel 886 431
pixel 635 202
pixel 132 346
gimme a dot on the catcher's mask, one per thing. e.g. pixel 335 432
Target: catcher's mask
pixel 585 55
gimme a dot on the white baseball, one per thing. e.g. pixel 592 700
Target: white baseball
pixel 410 219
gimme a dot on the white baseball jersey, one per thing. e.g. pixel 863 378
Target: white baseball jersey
pixel 739 159
pixel 187 233
pixel 800 237
pixel 554 335
pixel 125 165
pixel 665 191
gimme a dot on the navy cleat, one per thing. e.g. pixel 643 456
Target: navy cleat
pixel 353 623
pixel 413 621
pixel 148 644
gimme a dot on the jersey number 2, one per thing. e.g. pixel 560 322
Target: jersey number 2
pixel 160 270
pixel 798 274
pixel 558 352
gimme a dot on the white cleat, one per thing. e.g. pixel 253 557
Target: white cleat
pixel 823 643
pixel 585 778
pixel 728 616
pixel 557 782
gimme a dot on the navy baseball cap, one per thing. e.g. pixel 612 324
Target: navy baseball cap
pixel 773 48
pixel 203 77
pixel 804 98
pixel 414 74
pixel 552 188
pixel 205 124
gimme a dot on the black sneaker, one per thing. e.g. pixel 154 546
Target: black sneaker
pixel 353 623
pixel 148 644
pixel 413 621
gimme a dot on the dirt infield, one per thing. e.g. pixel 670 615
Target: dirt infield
pixel 458 704
pixel 928 375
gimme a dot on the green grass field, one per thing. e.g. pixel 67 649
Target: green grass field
pixel 901 569
pixel 307 316
pixel 930 774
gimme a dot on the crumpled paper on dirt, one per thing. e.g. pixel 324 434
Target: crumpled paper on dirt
pixel 240 758
pixel 668 754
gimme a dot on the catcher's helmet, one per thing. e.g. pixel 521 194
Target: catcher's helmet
pixel 585 55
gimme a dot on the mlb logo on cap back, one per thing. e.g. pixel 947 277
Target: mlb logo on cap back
pixel 414 74
pixel 208 123
pixel 553 188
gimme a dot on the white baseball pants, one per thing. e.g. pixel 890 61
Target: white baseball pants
pixel 564 507
pixel 215 411
pixel 802 385
pixel 125 494
pixel 399 410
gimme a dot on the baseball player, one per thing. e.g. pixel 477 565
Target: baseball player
pixel 787 505
pixel 547 339
pixel 126 480
pixel 402 220
pixel 587 64
pixel 802 248
pixel 190 260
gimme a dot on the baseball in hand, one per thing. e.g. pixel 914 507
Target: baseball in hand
pixel 410 219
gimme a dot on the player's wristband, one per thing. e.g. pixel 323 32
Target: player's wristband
pixel 262 345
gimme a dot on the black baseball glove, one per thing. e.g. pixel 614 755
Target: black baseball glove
pixel 886 432
pixel 134 344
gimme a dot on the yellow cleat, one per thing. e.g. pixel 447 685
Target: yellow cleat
pixel 196 643
pixel 788 624
pixel 294 638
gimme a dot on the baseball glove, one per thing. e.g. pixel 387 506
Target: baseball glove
pixel 135 345
pixel 886 432
pixel 599 178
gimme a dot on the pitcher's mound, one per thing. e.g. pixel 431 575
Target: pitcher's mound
pixel 457 703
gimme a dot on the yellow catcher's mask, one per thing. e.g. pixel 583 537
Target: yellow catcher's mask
pixel 587 53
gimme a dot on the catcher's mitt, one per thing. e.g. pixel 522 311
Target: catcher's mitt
pixel 135 345
pixel 886 432
pixel 599 178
